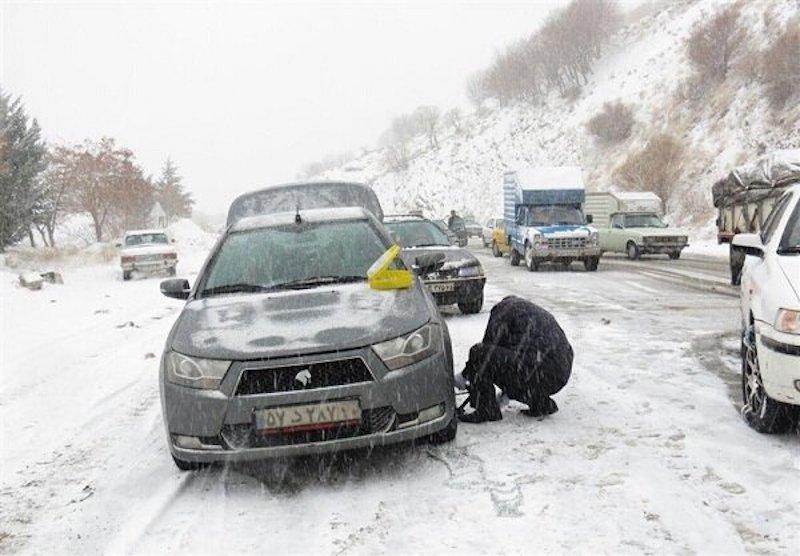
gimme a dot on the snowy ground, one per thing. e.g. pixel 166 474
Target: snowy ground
pixel 648 452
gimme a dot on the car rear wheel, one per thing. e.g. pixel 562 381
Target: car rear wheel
pixel 632 250
pixel 674 255
pixel 447 434
pixel 761 412
pixel 496 250
pixel 472 305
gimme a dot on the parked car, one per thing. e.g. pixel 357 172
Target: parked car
pixel 305 333
pixel 442 225
pixel 770 310
pixel 458 228
pixel 473 228
pixel 146 251
pixel 459 281
pixel 499 243
pixel 488 228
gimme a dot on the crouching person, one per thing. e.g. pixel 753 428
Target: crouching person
pixel 525 353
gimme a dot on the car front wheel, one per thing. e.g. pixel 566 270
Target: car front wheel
pixel 632 251
pixel 530 260
pixel 674 255
pixel 496 250
pixel 471 305
pixel 514 257
pixel 447 434
pixel 126 275
pixel 184 465
pixel 761 412
pixel 591 263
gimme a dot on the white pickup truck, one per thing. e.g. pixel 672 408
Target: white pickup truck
pixel 147 251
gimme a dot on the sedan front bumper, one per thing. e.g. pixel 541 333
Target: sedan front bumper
pixel 221 422
pixel 779 360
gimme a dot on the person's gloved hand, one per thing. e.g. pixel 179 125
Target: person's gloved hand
pixel 460 381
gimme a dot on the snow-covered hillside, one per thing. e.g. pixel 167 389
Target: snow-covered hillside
pixel 645 66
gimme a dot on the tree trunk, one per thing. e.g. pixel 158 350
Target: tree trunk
pixel 30 237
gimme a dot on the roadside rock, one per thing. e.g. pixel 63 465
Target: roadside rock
pixel 31 280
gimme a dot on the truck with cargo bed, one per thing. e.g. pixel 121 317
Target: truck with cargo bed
pixel 631 222
pixel 543 213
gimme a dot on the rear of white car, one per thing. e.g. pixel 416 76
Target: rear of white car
pixel 147 251
pixel 770 298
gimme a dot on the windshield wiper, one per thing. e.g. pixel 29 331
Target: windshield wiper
pixel 793 250
pixel 234 288
pixel 317 281
pixel 428 245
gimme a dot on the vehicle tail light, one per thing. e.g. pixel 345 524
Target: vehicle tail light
pixel 170 255
pixel 128 259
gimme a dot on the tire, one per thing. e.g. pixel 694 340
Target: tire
pixel 514 257
pixel 591 263
pixel 447 434
pixel 496 250
pixel 566 264
pixel 675 255
pixel 126 275
pixel 171 271
pixel 761 412
pixel 632 250
pixel 188 465
pixel 471 306
pixel 530 262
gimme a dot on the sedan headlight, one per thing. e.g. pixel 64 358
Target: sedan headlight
pixel 195 372
pixel 788 321
pixel 408 349
pixel 470 271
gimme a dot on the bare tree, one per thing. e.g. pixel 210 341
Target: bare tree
pixel 613 123
pixel 658 167
pixel 426 119
pixel 454 119
pixel 712 45
pixel 781 66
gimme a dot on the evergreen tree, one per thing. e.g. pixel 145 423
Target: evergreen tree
pixel 176 202
pixel 22 159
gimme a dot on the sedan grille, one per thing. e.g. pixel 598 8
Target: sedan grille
pixel 566 242
pixel 303 377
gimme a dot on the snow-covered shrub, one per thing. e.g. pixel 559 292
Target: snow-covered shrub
pixel 713 44
pixel 781 67
pixel 657 167
pixel 613 123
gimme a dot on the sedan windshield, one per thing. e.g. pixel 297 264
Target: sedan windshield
pixel 294 257
pixel 643 221
pixel 418 233
pixel 554 215
pixel 145 239
pixel 790 242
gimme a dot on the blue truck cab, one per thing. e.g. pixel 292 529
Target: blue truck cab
pixel 543 212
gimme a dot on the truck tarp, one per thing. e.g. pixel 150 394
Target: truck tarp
pixel 761 179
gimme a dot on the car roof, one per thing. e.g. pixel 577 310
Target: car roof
pixel 143 232
pixel 390 218
pixel 322 215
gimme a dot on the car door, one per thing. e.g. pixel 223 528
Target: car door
pixel 615 235
pixel 757 271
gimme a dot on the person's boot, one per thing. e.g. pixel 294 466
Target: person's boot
pixel 478 417
pixel 541 408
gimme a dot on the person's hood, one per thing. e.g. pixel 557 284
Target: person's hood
pixel 454 256
pixel 148 249
pixel 323 319
pixel 790 265
pixel 565 230
pixel 659 232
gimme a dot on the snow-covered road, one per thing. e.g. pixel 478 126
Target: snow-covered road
pixel 648 452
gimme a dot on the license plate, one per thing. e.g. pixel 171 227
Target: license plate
pixel 297 418
pixel 442 288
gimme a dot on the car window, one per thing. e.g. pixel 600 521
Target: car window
pixel 417 233
pixel 554 215
pixel 270 257
pixel 616 221
pixel 774 219
pixel 145 239
pixel 790 242
pixel 643 221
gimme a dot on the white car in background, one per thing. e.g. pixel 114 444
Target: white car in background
pixel 770 303
pixel 147 251
pixel 488 230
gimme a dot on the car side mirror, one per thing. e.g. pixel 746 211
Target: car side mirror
pixel 425 264
pixel 589 219
pixel 177 288
pixel 118 245
pixel 750 244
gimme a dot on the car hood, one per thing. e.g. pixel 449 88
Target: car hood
pixel 454 257
pixel 565 230
pixel 331 318
pixel 790 265
pixel 154 249
pixel 659 232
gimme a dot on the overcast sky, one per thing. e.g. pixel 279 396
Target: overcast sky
pixel 241 95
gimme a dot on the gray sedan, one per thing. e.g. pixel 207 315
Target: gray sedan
pixel 284 349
